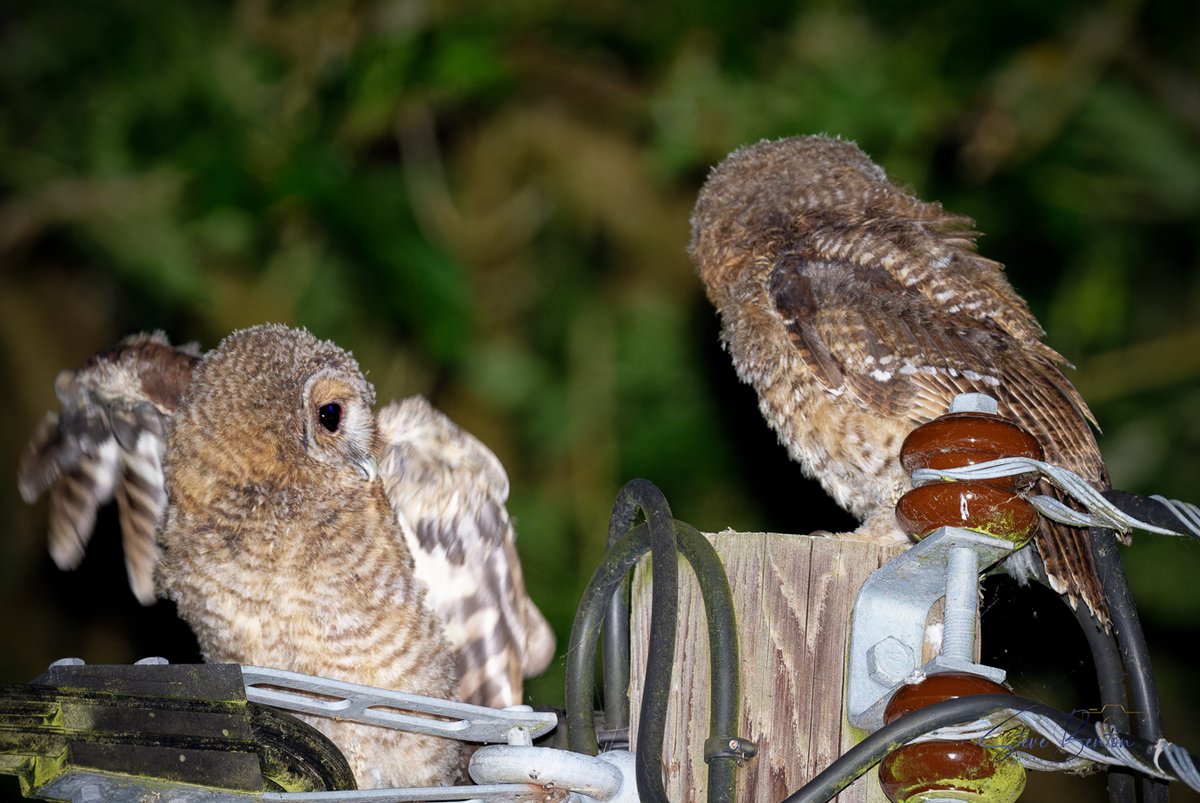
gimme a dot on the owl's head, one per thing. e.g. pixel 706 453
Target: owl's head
pixel 271 400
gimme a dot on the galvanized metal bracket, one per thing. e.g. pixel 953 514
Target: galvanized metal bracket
pixel 887 630
pixel 298 693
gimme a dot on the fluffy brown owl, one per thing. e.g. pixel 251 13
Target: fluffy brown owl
pixel 857 312
pixel 301 530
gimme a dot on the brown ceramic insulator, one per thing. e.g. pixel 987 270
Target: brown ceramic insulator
pixel 967 770
pixel 971 505
pixel 964 439
pixel 938 771
pixel 937 687
pixel 930 767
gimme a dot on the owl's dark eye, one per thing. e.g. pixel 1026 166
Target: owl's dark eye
pixel 330 416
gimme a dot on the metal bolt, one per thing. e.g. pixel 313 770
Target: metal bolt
pixel 974 403
pixel 962 566
pixel 519 736
pixel 962 604
pixel 890 661
pixel 153 660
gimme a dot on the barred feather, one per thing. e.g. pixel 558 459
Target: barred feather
pixel 108 441
pixel 858 312
pixel 450 490
pixel 446 490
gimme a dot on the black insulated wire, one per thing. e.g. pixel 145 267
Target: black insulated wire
pixel 661 535
pixel 615 658
pixel 1131 641
pixel 724 678
pixel 873 749
pixel 615 652
pixel 1126 627
pixel 1145 509
pixel 1132 667
pixel 1110 678
pixel 664 612
pixel 581 646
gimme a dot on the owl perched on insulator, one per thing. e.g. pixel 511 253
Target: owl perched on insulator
pixel 858 312
pixel 301 530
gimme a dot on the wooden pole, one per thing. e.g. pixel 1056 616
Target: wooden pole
pixel 793 595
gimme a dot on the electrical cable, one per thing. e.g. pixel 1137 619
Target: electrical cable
pixel 1131 641
pixel 664 613
pixel 581 645
pixel 1168 514
pixel 873 749
pixel 723 750
pixel 1155 514
pixel 1110 677
pixel 615 661
pixel 847 768
pixel 616 651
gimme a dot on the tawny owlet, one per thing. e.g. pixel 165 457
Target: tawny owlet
pixel 301 530
pixel 857 312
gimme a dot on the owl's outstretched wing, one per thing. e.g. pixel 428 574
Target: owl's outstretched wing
pixel 448 491
pixel 108 441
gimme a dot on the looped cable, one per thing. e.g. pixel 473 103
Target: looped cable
pixel 664 537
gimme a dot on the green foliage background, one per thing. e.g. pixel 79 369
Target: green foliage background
pixel 488 203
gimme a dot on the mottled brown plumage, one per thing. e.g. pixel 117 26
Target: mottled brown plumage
pixel 109 441
pixel 858 312
pixel 280 547
pixel 452 491
pixel 283 547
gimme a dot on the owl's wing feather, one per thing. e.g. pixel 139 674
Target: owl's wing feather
pixel 109 441
pixel 860 335
pixel 448 491
pixel 838 289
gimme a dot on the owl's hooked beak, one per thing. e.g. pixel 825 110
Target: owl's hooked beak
pixel 367 467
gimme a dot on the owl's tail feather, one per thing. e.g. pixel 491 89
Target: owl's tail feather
pixel 1066 553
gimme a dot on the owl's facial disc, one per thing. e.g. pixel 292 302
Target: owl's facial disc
pixel 339 429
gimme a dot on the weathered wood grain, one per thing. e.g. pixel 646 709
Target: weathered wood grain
pixel 793 595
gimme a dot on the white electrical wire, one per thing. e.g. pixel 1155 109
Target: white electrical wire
pixel 1081 751
pixel 1101 512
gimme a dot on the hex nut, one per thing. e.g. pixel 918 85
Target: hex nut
pixel 890 661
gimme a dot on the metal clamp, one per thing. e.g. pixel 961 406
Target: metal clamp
pixel 729 747
pixel 888 627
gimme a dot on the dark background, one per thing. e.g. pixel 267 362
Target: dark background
pixel 488 203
